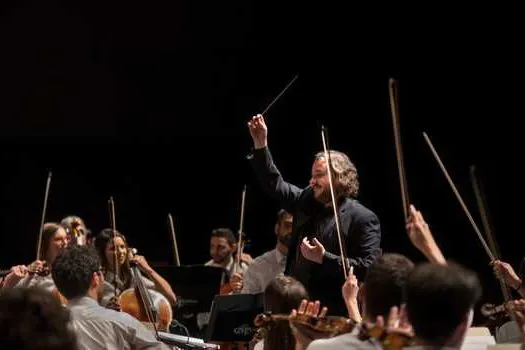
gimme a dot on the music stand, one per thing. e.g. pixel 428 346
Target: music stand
pixel 194 285
pixel 232 318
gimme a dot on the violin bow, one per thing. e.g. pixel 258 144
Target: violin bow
pixel 279 95
pixel 485 220
pixel 458 196
pixel 42 222
pixel 241 230
pixel 174 240
pixel 394 108
pixel 114 233
pixel 342 248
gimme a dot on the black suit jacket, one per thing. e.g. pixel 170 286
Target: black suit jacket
pixel 360 229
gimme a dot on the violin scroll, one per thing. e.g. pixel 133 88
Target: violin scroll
pixel 39 268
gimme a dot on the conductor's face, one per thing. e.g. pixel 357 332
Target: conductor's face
pixel 320 182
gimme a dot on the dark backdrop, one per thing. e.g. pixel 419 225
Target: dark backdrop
pixel 148 103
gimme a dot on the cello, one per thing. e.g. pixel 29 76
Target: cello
pixel 148 306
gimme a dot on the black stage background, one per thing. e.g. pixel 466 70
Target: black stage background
pixel 148 102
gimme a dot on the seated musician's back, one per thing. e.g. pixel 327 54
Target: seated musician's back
pixel 77 275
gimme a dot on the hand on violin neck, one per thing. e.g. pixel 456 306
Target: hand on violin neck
pixel 37 265
pixel 397 322
pixel 258 131
pixel 517 307
pixel 313 251
pixel 236 282
pixel 306 309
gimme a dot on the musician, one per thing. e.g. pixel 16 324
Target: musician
pixel 54 240
pixel 382 289
pixel 272 263
pixel 223 246
pixel 314 256
pixel 439 304
pixel 75 229
pixel 281 296
pixel 105 246
pixel 30 318
pixel 78 275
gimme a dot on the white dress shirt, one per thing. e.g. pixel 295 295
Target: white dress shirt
pixel 99 328
pixel 262 271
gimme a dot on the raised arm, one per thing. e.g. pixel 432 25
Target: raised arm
pixel 265 169
pixel 422 238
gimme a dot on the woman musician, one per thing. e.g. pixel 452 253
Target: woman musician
pixel 38 273
pixel 105 246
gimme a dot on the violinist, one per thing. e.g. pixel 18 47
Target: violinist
pixel 223 246
pixel 314 256
pixel 281 296
pixel 382 289
pixel 383 286
pixel 54 240
pixel 79 277
pixel 105 246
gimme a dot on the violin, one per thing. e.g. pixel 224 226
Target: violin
pixel 390 340
pixel 34 270
pixel 491 309
pixel 310 326
pixel 496 314
pixel 148 306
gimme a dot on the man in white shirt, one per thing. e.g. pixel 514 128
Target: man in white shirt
pixel 223 246
pixel 78 277
pixel 272 263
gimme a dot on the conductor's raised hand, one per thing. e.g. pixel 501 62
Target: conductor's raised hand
pixel 259 131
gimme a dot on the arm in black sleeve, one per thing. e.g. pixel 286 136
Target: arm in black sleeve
pixel 367 231
pixel 271 179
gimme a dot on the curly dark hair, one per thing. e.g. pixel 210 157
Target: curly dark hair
pixel 32 319
pixel 73 270
pixel 345 172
